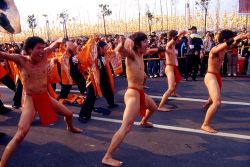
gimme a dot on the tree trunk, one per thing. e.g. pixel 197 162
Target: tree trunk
pixel 104 25
pixel 149 27
pixel 33 31
pixel 66 32
pixel 205 26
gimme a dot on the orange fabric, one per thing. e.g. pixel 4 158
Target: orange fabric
pixel 142 101
pixel 43 106
pixel 72 99
pixel 115 60
pixel 108 69
pixel 177 74
pixel 218 77
pixel 10 67
pixel 65 70
pixel 52 92
pixel 3 72
pixel 53 75
pixel 88 57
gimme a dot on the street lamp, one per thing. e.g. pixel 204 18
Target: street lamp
pixel 47 25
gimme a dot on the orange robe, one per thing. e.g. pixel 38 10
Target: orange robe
pixel 108 70
pixel 88 60
pixel 65 69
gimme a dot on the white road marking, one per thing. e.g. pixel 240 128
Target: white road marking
pixel 166 127
pixel 201 100
pixel 176 98
pixel 175 128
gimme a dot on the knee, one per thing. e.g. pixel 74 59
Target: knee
pixel 126 129
pixel 69 115
pixel 171 89
pixel 217 103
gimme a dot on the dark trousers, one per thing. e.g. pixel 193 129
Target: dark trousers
pixel 17 100
pixel 65 89
pixel 89 103
pixel 8 81
pixel 78 79
pixel 106 89
pixel 106 86
pixel 204 62
pixel 192 65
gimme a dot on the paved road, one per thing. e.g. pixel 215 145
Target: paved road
pixel 176 140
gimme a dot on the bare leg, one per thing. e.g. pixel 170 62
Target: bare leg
pixel 171 88
pixel 174 93
pixel 25 121
pixel 151 107
pixel 207 104
pixel 215 95
pixel 61 109
pixel 130 113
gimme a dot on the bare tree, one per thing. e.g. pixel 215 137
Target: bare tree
pixel 47 26
pixel 105 11
pixel 150 17
pixel 32 22
pixel 204 4
pixel 64 16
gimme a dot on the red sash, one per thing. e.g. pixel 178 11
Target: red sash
pixel 177 74
pixel 142 101
pixel 43 106
pixel 218 77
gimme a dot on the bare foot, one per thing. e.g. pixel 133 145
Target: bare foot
pixel 175 95
pixel 208 129
pixel 74 130
pixel 163 109
pixel 146 124
pixel 111 162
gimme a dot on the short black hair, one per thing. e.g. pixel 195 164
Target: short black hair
pixel 31 42
pixel 172 34
pixel 225 35
pixel 137 37
pixel 101 44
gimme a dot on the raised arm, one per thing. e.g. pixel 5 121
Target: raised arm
pixel 126 48
pixel 177 37
pixel 229 42
pixel 54 45
pixel 13 57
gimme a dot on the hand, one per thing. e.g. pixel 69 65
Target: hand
pixel 129 44
pixel 61 40
pixel 241 36
pixel 182 32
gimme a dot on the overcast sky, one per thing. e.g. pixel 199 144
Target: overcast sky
pixel 87 10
